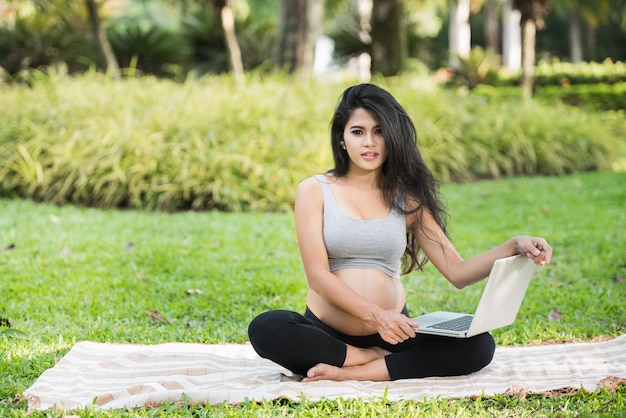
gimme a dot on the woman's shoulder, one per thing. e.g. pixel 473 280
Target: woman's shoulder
pixel 309 186
pixel 309 194
pixel 314 182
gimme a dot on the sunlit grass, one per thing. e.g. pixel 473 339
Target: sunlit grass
pixel 70 274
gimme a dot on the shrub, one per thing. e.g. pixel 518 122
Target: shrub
pixel 598 97
pixel 556 73
pixel 39 40
pixel 564 73
pixel 480 67
pixel 593 96
pixel 149 48
pixel 213 144
pixel 148 143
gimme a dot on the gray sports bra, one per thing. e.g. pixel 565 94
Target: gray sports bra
pixel 357 243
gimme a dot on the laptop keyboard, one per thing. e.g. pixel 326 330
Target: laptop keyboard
pixel 457 324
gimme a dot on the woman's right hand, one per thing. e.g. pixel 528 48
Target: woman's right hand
pixel 394 327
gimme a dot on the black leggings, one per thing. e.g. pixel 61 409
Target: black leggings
pixel 299 342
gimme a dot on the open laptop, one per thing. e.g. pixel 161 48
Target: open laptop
pixel 498 305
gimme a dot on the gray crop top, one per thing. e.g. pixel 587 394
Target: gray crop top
pixel 356 243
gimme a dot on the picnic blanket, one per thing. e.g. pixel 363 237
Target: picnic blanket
pixel 112 376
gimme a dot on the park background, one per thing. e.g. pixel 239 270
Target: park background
pixel 150 152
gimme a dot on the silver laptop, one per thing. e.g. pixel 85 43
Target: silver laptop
pixel 498 305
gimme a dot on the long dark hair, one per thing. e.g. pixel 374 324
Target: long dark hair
pixel 404 167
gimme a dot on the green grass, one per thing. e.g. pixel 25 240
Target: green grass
pixel 70 274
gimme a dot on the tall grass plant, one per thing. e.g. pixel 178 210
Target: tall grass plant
pixel 213 144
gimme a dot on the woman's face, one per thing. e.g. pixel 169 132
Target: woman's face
pixel 364 141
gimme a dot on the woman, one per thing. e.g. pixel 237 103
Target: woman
pixel 374 216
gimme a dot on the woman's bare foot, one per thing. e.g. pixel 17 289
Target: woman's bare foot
pixel 374 370
pixel 323 372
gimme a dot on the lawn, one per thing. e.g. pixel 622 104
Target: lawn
pixel 70 274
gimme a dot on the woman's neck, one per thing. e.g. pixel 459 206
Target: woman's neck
pixel 364 180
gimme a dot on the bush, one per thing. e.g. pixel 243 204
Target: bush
pixel 563 73
pixel 592 96
pixel 558 73
pixel 149 143
pixel 152 49
pixel 598 97
pixel 39 40
pixel 480 67
pixel 213 144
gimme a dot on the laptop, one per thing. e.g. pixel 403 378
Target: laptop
pixel 498 305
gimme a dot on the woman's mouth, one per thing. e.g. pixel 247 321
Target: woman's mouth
pixel 369 156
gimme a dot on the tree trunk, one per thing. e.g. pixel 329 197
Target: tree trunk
pixel 389 47
pixel 575 37
pixel 532 12
pixel 300 27
pixel 459 34
pixel 511 39
pixel 492 26
pixel 529 32
pixel 228 24
pixel 104 46
pixel 592 42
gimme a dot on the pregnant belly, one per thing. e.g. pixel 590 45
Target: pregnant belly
pixel 372 285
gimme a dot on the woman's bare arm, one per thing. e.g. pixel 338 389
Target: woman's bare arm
pixel 462 273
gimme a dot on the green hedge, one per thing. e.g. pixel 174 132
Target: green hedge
pixel 599 97
pixel 564 73
pixel 213 144
pixel 558 73
pixel 593 96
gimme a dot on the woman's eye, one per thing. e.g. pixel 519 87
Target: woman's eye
pixel 357 132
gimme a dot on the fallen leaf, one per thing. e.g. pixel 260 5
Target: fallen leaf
pixel 11 332
pixel 555 315
pixel 518 391
pixel 611 383
pixel 9 247
pixel 156 317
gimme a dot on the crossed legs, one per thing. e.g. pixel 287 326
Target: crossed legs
pixel 308 347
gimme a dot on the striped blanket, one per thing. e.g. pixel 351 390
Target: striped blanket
pixel 126 375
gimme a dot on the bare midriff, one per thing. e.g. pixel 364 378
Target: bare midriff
pixel 373 285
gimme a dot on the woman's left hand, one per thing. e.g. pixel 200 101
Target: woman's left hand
pixel 537 249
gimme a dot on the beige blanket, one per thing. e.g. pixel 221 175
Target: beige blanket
pixel 126 375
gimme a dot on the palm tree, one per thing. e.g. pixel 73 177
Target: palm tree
pixel 389 46
pixel 532 12
pixel 300 26
pixel 511 38
pixel 225 10
pixel 492 24
pixel 592 12
pixel 459 33
pixel 102 40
